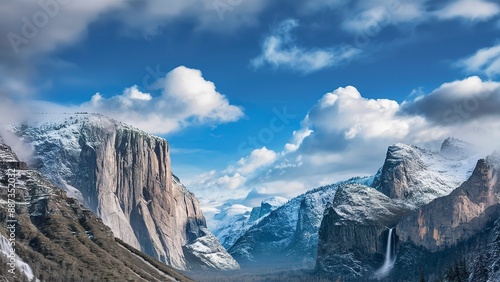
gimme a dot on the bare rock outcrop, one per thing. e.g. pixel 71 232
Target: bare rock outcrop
pixel 460 215
pixel 354 228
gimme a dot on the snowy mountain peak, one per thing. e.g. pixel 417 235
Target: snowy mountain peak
pixel 418 175
pixel 456 149
pixel 400 151
pixel 66 123
pixel 275 201
pixel 234 219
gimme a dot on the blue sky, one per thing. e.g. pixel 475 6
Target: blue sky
pixel 211 75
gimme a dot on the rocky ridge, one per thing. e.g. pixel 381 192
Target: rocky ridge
pixel 470 208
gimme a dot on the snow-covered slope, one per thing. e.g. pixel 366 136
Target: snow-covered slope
pixel 230 223
pixel 234 220
pixel 417 176
pixel 290 233
pixel 208 253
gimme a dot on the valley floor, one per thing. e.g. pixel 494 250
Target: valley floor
pixel 299 275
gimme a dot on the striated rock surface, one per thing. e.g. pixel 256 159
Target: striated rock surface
pixel 457 217
pixel 123 175
pixel 57 239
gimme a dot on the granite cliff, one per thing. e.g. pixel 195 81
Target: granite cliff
pixel 55 238
pixel 354 230
pixel 124 175
pixel 469 208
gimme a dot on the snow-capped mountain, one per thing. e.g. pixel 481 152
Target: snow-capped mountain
pixel 410 177
pixel 462 226
pixel 289 233
pixel 418 176
pixel 235 219
pixel 124 175
pixel 355 226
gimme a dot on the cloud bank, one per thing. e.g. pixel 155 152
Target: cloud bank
pixel 345 135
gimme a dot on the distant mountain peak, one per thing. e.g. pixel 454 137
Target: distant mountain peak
pixel 235 219
pixel 456 149
pixel 275 201
pixel 418 175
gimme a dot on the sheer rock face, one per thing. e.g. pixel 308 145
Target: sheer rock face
pixel 396 176
pixel 124 175
pixel 460 215
pixel 353 232
pixel 57 239
pixel 418 176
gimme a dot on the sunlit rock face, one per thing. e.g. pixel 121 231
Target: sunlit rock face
pixel 57 238
pixel 457 217
pixel 124 176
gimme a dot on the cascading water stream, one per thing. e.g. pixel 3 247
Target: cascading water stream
pixel 389 259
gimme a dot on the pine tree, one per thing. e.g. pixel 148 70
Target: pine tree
pixel 480 271
pixel 456 272
pixel 451 274
pixel 422 278
pixel 462 270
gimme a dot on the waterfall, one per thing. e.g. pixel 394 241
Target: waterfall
pixel 389 259
pixel 6 250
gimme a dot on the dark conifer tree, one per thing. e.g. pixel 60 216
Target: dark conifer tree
pixel 480 271
pixel 422 278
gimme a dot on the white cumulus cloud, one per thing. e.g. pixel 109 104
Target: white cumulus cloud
pixel 187 98
pixel 257 159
